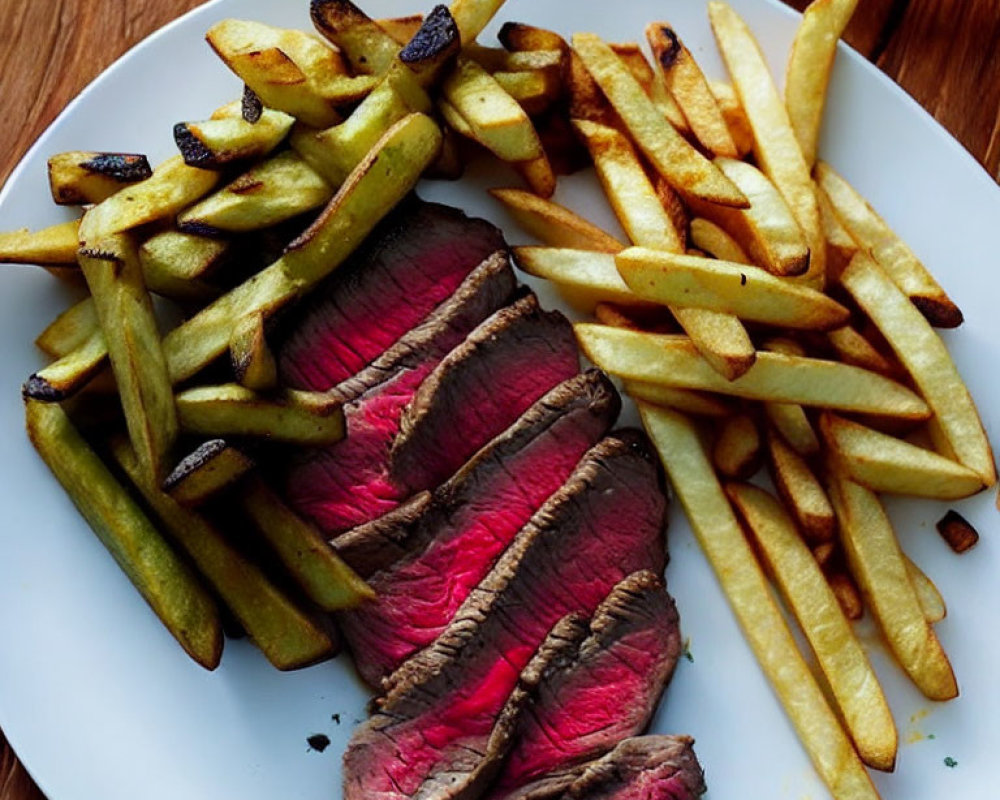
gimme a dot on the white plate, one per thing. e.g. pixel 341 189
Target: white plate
pixel 98 700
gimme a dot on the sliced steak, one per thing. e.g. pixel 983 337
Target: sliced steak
pixel 642 768
pixel 345 484
pixel 606 692
pixel 428 738
pixel 410 264
pixel 480 389
pixel 433 552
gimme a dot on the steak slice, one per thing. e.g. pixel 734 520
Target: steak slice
pixel 410 264
pixel 345 484
pixel 642 768
pixel 605 693
pixel 428 740
pixel 435 550
pixel 480 389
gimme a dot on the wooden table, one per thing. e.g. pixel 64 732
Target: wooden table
pixel 946 53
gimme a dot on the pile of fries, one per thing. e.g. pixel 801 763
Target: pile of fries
pixel 761 311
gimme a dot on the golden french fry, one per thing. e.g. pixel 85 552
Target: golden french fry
pixel 789 419
pixel 70 372
pixel 165 580
pixel 401 29
pixel 884 463
pixel 853 348
pixel 688 86
pixel 737 451
pixel 520 36
pixel 710 238
pixel 54 245
pixel 471 16
pixel 701 404
pixel 366 45
pixel 206 471
pixel 840 245
pixel 173 186
pixel 233 410
pixel 497 59
pixel 926 358
pixel 554 224
pixel 368 194
pixel 217 142
pixel 775 145
pixel 734 115
pixel 878 565
pixel 891 253
pixel 587 273
pixel 767 230
pixel 802 492
pixel 677 161
pixel 673 361
pixel 764 627
pixel 846 667
pixel 534 90
pixel 77 177
pixel 809 67
pixel 930 599
pixel 744 291
pixel 652 84
pixel 175 264
pixel 125 313
pixel 69 330
pixel 270 192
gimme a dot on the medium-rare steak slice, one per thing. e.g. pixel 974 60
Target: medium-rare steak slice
pixel 480 389
pixel 346 491
pixel 428 738
pixel 605 693
pixel 410 264
pixel 343 485
pixel 642 768
pixel 432 554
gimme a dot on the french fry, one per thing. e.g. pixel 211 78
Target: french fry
pixel 734 115
pixel 533 90
pixel 173 186
pixel 809 68
pixel 71 372
pixel 494 117
pixel 554 224
pixel 802 492
pixel 586 100
pixel 233 410
pixel 284 633
pixel 957 532
pixel 630 192
pixel 517 36
pixel 673 361
pixel 767 230
pixel 878 565
pixel 289 70
pixel 840 245
pixel 206 471
pixel 718 335
pixel 687 85
pixel 303 551
pixel 789 419
pixel 125 313
pixel 217 142
pixel 368 194
pixel 846 667
pixel 926 358
pixel 164 579
pixel 737 452
pixel 78 177
pixel 176 264
pixel 367 46
pixel 847 595
pixel 930 599
pixel 402 29
pixel 853 348
pixel 587 273
pixel 775 145
pixel 886 464
pixel 471 16
pixel 710 238
pixel 270 192
pixel 496 59
pixel 677 161
pixel 652 84
pixel 701 404
pixel 252 360
pixel 741 290
pixel 764 627
pixel 890 252
pixel 55 245
pixel 69 330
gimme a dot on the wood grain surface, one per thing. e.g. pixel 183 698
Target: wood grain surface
pixel 945 53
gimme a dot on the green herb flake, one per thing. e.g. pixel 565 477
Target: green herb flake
pixel 950 762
